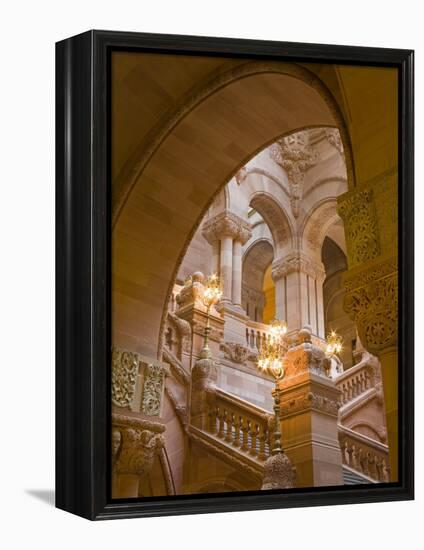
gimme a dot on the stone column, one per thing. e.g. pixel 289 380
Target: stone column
pixel 298 291
pixel 136 442
pixel 372 302
pixel 232 232
pixel 369 214
pixel 226 268
pixel 237 271
pixel 309 415
pixel 215 259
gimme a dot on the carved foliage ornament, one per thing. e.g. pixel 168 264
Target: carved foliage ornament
pixel 226 224
pixel 310 400
pixel 237 352
pixel 374 308
pixel 359 216
pixel 296 156
pixel 297 262
pixel 125 367
pixel 152 391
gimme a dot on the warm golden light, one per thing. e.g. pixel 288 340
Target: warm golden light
pixel 273 349
pixel 334 344
pixel 213 291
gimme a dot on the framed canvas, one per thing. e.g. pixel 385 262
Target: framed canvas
pixel 234 274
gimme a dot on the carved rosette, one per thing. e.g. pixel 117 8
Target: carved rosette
pixel 296 156
pixel 226 224
pixel 371 301
pixel 297 261
pixel 357 209
pixel 278 473
pixel 125 365
pixel 135 444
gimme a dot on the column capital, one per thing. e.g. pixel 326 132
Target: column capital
pixel 372 302
pixel 226 224
pixel 136 443
pixel 297 261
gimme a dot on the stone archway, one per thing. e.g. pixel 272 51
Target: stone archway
pixel 202 146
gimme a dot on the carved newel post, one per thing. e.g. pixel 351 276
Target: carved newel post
pixel 278 469
pixel 309 411
pixel 204 373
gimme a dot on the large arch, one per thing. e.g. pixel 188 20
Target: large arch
pixel 275 218
pixel 203 145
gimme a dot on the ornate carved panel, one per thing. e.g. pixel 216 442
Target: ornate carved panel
pixel 137 382
pixel 125 365
pixel 372 302
pixel 358 212
pixel 296 156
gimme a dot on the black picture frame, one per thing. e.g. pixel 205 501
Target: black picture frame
pixel 83 281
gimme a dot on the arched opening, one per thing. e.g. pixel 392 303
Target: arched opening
pixel 257 288
pixel 159 217
pixel 335 317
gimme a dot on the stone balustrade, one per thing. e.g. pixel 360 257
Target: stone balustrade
pixel 256 334
pixel 364 455
pixel 356 381
pixel 240 424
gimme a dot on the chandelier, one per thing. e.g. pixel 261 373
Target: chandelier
pixel 272 357
pixel 211 296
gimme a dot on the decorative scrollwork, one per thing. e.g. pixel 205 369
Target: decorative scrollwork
pixel 125 365
pixel 357 210
pixel 374 308
pixel 153 389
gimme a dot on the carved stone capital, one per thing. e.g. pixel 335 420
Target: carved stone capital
pixel 135 444
pixel 357 210
pixel 226 224
pixel 371 301
pixel 297 261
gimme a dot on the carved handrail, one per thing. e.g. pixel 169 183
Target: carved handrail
pixel 357 380
pixel 176 366
pixel 240 424
pixel 363 454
